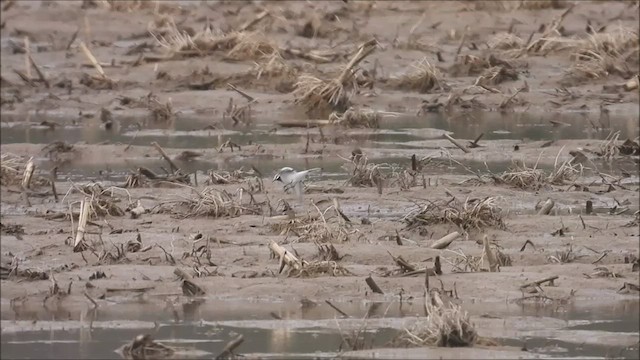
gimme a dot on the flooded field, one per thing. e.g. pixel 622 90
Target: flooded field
pixel 474 190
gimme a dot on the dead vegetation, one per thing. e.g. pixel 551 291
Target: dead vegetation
pixel 423 78
pixel 446 325
pixel 609 148
pixel 523 177
pixel 324 96
pixel 12 171
pixel 302 268
pixel 321 229
pixel 356 118
pixel 615 52
pixel 212 202
pixel 144 347
pixel 101 201
pixel 467 215
pixel 250 177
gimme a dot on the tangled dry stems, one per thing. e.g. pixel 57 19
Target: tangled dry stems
pixel 470 214
pixel 602 54
pixel 523 177
pixel 318 95
pixel 144 347
pixel 212 202
pixel 366 174
pixel 11 169
pixel 423 78
pixel 274 65
pixel 446 325
pixel 356 118
pixel 241 45
pixel 102 201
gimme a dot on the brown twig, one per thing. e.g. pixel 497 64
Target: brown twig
pixel 373 286
pixel 540 282
pixel 456 143
pixel 173 166
pixel 40 74
pixel 227 352
pixel 337 309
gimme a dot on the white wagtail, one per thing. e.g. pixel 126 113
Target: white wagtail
pixel 293 179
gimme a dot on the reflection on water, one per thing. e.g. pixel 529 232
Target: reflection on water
pixel 101 343
pixel 195 133
pixel 210 325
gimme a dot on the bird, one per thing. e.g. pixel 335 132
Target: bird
pixel 293 179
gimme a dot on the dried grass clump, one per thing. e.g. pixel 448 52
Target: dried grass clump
pixel 491 5
pixel 317 268
pixel 318 95
pixel 366 174
pixel 252 45
pixel 356 118
pixel 472 214
pixel 495 75
pixel 523 177
pixel 424 78
pixel 465 263
pixel 309 229
pixel 211 202
pixel 144 347
pixel 11 169
pixel 603 54
pixel 127 5
pixel 446 325
pixel 541 4
pixel 565 256
pixel 103 201
pixel 468 65
pixel 274 65
pixel 221 177
pixel 507 44
pixel 607 148
pixel 241 45
pixel 505 41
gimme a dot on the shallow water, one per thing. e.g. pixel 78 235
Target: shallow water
pixel 192 132
pixel 314 333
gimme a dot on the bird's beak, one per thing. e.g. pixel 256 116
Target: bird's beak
pixel 276 178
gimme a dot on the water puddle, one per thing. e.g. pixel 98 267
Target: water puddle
pixel 192 132
pixel 315 331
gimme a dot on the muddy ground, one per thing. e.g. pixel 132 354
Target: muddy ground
pixel 227 253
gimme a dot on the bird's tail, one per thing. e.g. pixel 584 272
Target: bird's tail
pixel 314 169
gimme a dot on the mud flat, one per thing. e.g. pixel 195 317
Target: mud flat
pixel 492 146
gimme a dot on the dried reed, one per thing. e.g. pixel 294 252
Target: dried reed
pixel 212 203
pixel 356 118
pixel 472 214
pixel 320 95
pixel 446 325
pixel 424 78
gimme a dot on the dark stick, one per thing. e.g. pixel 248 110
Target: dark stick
pixel 231 345
pixel 54 175
pixel 372 284
pixel 336 309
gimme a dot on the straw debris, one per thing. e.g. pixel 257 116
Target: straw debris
pixel 523 177
pixel 446 325
pixel 144 347
pixel 616 52
pixel 12 169
pixel 470 214
pixel 318 95
pixel 356 118
pixel 211 202
pixel 423 78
